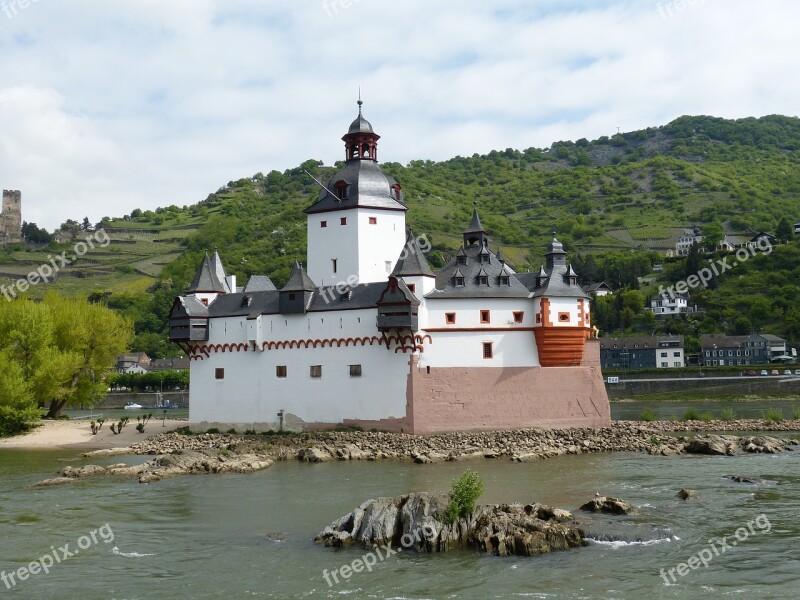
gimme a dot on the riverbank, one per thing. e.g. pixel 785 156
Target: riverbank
pixel 78 434
pixel 184 454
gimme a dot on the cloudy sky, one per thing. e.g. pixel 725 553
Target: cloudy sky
pixel 109 106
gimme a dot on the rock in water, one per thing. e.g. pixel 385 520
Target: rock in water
pixel 763 444
pixel 609 505
pixel 720 445
pixel 686 493
pixel 417 521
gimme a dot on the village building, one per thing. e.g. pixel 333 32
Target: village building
pixel 669 303
pixel 754 349
pixel 643 352
pixel 599 289
pixel 370 335
pixel 133 362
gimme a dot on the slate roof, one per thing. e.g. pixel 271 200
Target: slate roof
pixel 259 283
pixel 446 287
pixel 219 269
pixel 299 281
pixel 368 187
pixel 206 279
pixel 645 342
pixel 596 286
pixel 708 340
pixel 360 125
pixel 561 280
pixel 268 302
pixel 412 261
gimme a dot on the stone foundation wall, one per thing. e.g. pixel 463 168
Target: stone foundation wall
pixel 456 399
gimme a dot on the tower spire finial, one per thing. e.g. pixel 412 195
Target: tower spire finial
pixel 360 101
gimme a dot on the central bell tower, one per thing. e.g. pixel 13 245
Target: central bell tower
pixel 357 226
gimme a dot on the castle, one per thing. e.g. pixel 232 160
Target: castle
pixel 11 217
pixel 369 335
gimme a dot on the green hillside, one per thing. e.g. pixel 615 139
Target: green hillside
pixel 634 191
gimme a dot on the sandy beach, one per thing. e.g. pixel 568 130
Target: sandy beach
pixel 78 434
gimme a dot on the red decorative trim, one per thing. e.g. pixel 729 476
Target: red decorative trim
pixel 405 343
pixel 444 329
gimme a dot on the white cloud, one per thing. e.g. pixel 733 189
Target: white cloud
pixel 106 107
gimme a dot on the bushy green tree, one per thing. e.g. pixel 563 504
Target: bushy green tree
pixel 464 492
pixel 57 352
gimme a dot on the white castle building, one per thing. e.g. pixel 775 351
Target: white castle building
pixel 370 335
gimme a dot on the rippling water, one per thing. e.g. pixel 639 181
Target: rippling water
pixel 249 536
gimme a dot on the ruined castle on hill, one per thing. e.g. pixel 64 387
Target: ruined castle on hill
pixel 11 217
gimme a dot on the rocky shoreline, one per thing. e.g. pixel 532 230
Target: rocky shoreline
pixel 180 454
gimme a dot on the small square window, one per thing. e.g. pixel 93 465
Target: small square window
pixel 373 220
pixel 219 373
pixel 518 315
pixel 563 317
pixel 316 370
pixel 488 351
pixel 450 318
pixel 280 371
pixel 539 320
pixel 486 316
pixel 412 287
pixel 355 370
pixel 343 221
pixel 323 223
pixel 458 281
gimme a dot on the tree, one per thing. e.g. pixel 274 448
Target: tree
pixel 784 232
pixel 96 335
pixel 62 348
pixel 712 236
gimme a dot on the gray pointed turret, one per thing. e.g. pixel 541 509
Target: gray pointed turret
pixel 475 233
pixel 206 279
pixel 299 281
pixel 412 260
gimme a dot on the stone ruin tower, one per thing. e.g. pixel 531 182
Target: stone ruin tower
pixel 11 217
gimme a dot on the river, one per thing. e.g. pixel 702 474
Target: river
pixel 250 536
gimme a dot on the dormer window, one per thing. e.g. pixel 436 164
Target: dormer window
pixel 461 260
pixel 505 280
pixel 246 301
pixel 458 281
pixel 396 193
pixel 483 280
pixel 340 188
pixel 484 258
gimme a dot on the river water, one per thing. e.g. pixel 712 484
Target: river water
pixel 250 536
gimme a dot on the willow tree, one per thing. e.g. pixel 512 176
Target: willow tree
pixel 63 348
pixel 90 336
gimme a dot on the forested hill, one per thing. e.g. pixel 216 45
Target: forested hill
pixel 630 191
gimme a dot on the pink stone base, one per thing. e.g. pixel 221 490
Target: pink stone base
pixel 480 399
